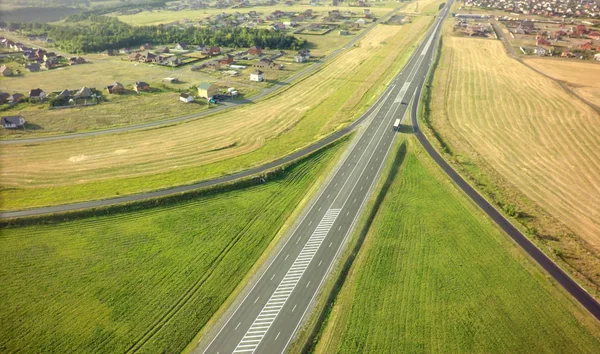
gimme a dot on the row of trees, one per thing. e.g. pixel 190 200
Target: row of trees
pixel 84 33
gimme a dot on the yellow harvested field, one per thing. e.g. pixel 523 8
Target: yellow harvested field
pixel 583 77
pixel 279 125
pixel 539 138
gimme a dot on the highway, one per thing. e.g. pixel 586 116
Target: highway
pixel 273 308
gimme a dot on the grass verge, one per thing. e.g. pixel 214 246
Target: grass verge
pixel 146 279
pixel 434 275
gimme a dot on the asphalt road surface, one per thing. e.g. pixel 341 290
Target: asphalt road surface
pixel 221 107
pixel 271 312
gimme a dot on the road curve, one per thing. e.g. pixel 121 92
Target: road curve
pixel 194 186
pixel 580 294
pixel 227 105
pixel 272 309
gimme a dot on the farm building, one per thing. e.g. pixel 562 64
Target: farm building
pixel 13 122
pixel 64 94
pixel 115 87
pixel 141 86
pixel 184 97
pixel 207 90
pixel 181 46
pixel 257 76
pixel 4 97
pixel 171 80
pixel 5 71
pixel 214 65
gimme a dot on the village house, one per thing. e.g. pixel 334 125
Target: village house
pixel 181 46
pixel 37 95
pixel 15 98
pixel 212 65
pixel 184 97
pixel 13 122
pixel 162 50
pixel 64 95
pixel 257 76
pixel 84 92
pixel 4 97
pixel 115 87
pixel 255 50
pixel 540 51
pixel 5 71
pixel 299 59
pixel 226 60
pixel 76 60
pixel 141 86
pixel 265 64
pixel 30 56
pixel 49 56
pixel 145 46
pixel 35 67
pixel 207 90
pixel 172 61
pixel 48 64
pixel 134 56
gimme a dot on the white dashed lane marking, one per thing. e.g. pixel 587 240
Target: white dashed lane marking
pixel 267 315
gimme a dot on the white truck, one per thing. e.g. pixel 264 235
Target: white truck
pixel 397 125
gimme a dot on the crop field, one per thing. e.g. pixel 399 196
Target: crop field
pixel 540 139
pixel 155 17
pixel 103 166
pixel 144 280
pixel 582 77
pixel 436 276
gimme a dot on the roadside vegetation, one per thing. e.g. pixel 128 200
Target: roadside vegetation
pixel 526 143
pixel 435 275
pixel 147 279
pixel 104 166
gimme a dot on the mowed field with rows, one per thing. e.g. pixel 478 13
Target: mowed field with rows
pixel 583 77
pixel 537 137
pixel 146 280
pixel 434 275
pixel 104 166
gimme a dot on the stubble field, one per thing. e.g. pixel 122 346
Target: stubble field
pixel 581 76
pixel 104 166
pixel 540 139
pixel 146 280
pixel 436 276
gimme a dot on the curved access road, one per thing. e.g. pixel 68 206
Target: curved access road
pixel 580 294
pixel 228 105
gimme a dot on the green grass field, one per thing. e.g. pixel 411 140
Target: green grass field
pixel 434 275
pixel 147 280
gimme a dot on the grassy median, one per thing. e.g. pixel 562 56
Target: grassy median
pixel 435 275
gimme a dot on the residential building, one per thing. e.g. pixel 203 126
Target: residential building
pixel 5 71
pixel 115 87
pixel 184 97
pixel 13 122
pixel 207 90
pixel 257 76
pixel 141 86
pixel 37 95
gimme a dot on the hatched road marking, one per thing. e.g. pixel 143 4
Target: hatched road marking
pixel 269 312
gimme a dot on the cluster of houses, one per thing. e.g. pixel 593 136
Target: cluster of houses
pixel 570 38
pixel 548 8
pixel 37 58
pixel 473 29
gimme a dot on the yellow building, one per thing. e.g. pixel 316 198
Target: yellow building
pixel 207 90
